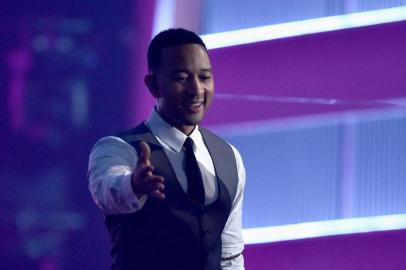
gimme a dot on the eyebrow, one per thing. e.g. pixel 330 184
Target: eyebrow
pixel 178 70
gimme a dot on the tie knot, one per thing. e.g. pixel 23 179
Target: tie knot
pixel 188 144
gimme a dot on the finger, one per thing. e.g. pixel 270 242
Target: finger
pixel 153 179
pixel 155 187
pixel 157 194
pixel 144 152
pixel 145 170
pixel 154 182
pixel 159 186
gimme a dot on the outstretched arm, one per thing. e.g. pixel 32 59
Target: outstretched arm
pixel 116 174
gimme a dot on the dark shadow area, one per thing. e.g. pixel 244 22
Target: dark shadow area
pixel 63 80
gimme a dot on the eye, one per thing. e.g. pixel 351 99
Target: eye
pixel 180 78
pixel 205 77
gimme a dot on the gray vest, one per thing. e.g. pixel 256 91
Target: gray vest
pixel 175 233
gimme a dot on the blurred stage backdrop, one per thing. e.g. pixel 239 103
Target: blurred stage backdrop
pixel 312 93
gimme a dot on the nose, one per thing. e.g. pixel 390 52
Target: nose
pixel 195 86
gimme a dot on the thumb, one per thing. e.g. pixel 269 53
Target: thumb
pixel 144 152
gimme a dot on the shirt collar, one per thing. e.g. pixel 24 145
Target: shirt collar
pixel 169 135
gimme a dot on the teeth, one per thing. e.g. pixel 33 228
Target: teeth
pixel 195 104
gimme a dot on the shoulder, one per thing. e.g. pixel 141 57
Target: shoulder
pixel 119 143
pixel 109 145
pixel 133 133
pixel 211 136
pixel 207 134
pixel 227 149
pixel 121 140
pixel 223 149
pixel 240 169
pixel 237 154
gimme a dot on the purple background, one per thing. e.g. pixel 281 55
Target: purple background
pixel 359 64
pixel 49 221
pixel 378 250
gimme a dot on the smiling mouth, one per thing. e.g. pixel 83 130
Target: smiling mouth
pixel 194 106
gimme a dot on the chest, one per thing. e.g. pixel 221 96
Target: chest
pixel 207 170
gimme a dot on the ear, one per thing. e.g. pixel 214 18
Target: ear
pixel 150 81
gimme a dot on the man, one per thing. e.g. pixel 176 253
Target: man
pixel 172 191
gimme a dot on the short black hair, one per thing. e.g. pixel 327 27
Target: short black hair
pixel 169 38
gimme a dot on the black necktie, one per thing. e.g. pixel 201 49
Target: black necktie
pixel 195 188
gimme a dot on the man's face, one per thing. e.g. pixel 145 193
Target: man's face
pixel 184 85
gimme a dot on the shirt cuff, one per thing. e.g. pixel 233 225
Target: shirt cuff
pixel 129 195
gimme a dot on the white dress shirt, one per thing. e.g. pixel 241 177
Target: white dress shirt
pixel 112 161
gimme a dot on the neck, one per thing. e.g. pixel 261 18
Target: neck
pixel 186 129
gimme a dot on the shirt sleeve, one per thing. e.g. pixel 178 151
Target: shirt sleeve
pixel 232 241
pixel 111 163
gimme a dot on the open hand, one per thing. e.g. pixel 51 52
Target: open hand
pixel 144 181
